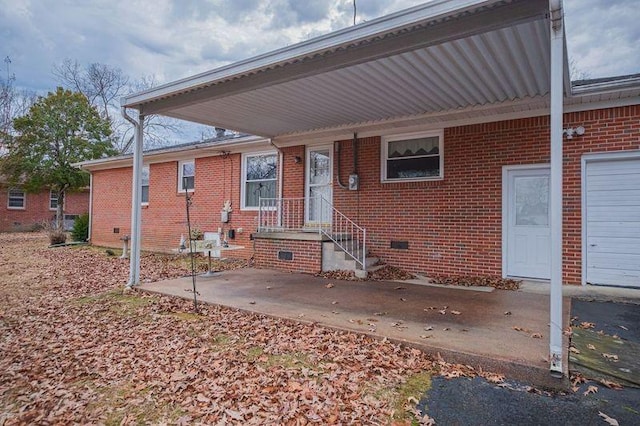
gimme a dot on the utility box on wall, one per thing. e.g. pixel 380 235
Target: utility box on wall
pixel 354 182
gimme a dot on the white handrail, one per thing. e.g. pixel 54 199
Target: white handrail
pixel 288 214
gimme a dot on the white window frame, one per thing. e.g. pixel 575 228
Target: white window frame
pixel 51 194
pixel 243 180
pixel 24 199
pixel 180 176
pixel 142 185
pixel 384 155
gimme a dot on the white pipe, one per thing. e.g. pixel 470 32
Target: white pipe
pixel 280 167
pixel 556 97
pixel 90 206
pixel 136 198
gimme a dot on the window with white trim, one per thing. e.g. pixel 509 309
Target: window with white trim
pixel 53 200
pixel 16 199
pixel 145 185
pixel 412 157
pixel 259 178
pixel 186 175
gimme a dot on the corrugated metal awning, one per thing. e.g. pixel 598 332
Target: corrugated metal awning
pixel 445 56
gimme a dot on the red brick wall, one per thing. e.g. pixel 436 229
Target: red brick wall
pixel 454 225
pixel 307 255
pixel 37 210
pixel 164 219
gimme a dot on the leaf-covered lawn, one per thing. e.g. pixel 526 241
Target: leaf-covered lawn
pixel 76 349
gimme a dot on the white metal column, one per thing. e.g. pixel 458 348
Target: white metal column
pixel 136 205
pixel 557 78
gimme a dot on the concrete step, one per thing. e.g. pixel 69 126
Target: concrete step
pixel 334 258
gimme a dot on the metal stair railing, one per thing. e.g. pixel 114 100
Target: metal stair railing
pixel 344 232
pixel 280 214
pixel 288 214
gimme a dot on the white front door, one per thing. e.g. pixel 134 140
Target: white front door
pixel 527 222
pixel 319 173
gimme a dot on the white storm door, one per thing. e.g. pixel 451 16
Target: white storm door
pixel 527 215
pixel 318 184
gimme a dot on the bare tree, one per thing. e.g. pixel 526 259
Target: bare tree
pixel 7 95
pixel 575 73
pixel 103 86
pixel 14 102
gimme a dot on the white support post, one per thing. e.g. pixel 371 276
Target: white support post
pixel 556 97
pixel 136 205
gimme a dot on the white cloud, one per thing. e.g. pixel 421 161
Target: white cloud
pixel 172 39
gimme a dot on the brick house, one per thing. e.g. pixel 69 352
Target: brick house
pixel 441 225
pixel 22 211
pixel 445 138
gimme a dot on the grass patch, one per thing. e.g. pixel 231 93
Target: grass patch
pixel 186 316
pixel 222 340
pixel 122 403
pixel 292 360
pixel 253 353
pixel 402 397
pixel 117 301
pixel 296 360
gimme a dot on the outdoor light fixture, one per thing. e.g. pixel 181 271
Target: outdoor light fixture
pixel 571 132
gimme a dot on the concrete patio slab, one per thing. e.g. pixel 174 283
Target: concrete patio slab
pixel 502 331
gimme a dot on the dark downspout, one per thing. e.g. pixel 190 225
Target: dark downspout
pixel 354 146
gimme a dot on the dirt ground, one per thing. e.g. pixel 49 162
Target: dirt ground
pixel 75 348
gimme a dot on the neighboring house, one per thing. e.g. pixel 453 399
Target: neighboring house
pixel 438 130
pixel 23 211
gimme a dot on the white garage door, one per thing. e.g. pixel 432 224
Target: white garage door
pixel 612 198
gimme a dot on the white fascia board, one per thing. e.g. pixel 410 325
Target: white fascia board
pixel 425 12
pixel 244 144
pixel 620 86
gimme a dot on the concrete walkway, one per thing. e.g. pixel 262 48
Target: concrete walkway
pixel 501 331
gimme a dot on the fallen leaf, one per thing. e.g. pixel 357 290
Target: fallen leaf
pixel 507 313
pixel 402 299
pixel 425 336
pixel 536 336
pixel 611 384
pixel 609 420
pixel 623 327
pixel 401 288
pixel 587 325
pixel 427 421
pixel 428 328
pixel 335 302
pixel 590 346
pixel 443 312
pixel 456 312
pixel 574 350
pixel 590 389
pixel 330 285
pixel 612 357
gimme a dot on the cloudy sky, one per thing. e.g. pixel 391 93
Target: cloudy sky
pixel 171 39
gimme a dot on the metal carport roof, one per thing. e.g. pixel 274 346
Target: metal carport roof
pixel 460 56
